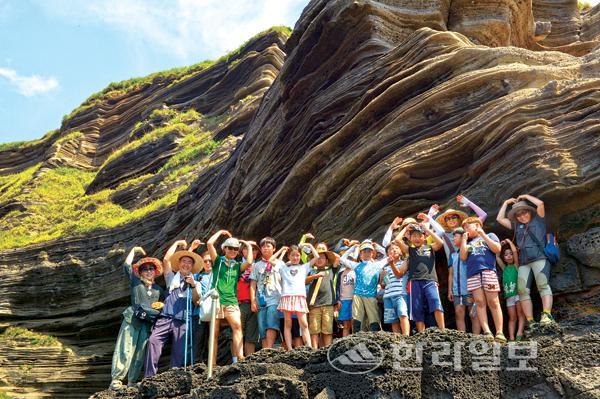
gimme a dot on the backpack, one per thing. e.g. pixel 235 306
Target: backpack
pixel 550 247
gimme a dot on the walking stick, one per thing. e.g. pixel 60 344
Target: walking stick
pixel 211 342
pixel 187 307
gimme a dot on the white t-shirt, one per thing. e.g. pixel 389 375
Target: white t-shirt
pixel 292 279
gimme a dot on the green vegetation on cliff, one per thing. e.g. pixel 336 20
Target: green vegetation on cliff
pixel 13 334
pixel 55 199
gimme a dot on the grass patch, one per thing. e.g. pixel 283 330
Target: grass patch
pixel 24 144
pixel 11 185
pixel 192 147
pixel 34 339
pixel 4 395
pixel 176 122
pixel 70 136
pixel 59 207
pixel 584 5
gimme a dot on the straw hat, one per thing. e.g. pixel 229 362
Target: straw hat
pixel 176 259
pixel 520 206
pixel 148 261
pixel 441 219
pixel 408 221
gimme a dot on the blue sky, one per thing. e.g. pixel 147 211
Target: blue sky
pixel 56 53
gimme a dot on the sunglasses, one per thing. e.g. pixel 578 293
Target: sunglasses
pixel 147 269
pixel 232 249
pixel 207 261
pixel 451 217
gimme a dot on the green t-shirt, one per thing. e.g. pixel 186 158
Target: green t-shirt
pixel 225 278
pixel 510 276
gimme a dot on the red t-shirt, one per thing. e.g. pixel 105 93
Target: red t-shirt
pixel 243 287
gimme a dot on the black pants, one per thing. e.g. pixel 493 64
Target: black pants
pixel 201 332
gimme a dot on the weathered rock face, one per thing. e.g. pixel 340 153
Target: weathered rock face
pixel 379 109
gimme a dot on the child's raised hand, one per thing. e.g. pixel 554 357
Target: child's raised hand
pixel 397 222
pixel 309 236
pixel 510 201
pixel 434 209
pixel 423 216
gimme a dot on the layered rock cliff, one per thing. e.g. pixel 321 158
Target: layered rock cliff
pixel 371 109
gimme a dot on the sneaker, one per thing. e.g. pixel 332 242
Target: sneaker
pixel 531 325
pixel 500 338
pixel 115 385
pixel 546 319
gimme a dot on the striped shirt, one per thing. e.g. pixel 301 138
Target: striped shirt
pixel 394 286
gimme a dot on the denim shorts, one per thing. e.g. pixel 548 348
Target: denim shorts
pixel 394 307
pixel 268 319
pixel 424 296
pixel 345 312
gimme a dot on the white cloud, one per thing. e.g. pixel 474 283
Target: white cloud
pixel 29 85
pixel 184 28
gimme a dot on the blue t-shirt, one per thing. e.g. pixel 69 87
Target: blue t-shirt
pixel 480 256
pixel 367 278
pixel 459 275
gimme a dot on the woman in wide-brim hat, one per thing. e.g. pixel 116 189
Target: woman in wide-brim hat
pixel 128 357
pixel 527 217
pixel 445 216
pixel 147 261
pixel 518 207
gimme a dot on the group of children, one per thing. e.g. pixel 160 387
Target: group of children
pixel 300 290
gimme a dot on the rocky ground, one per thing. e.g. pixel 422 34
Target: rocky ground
pixel 564 362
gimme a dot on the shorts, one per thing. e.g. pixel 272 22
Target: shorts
pixel 320 320
pixel 464 300
pixel 268 319
pixel 345 312
pixel 365 309
pixel 424 293
pixel 486 279
pixel 296 333
pixel 293 303
pixel 249 321
pixel 393 308
pixel 512 301
pixel 228 310
pixel 538 270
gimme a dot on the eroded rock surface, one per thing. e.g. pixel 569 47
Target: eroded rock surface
pixel 452 364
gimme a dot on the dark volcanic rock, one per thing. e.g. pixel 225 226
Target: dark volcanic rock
pixel 451 364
